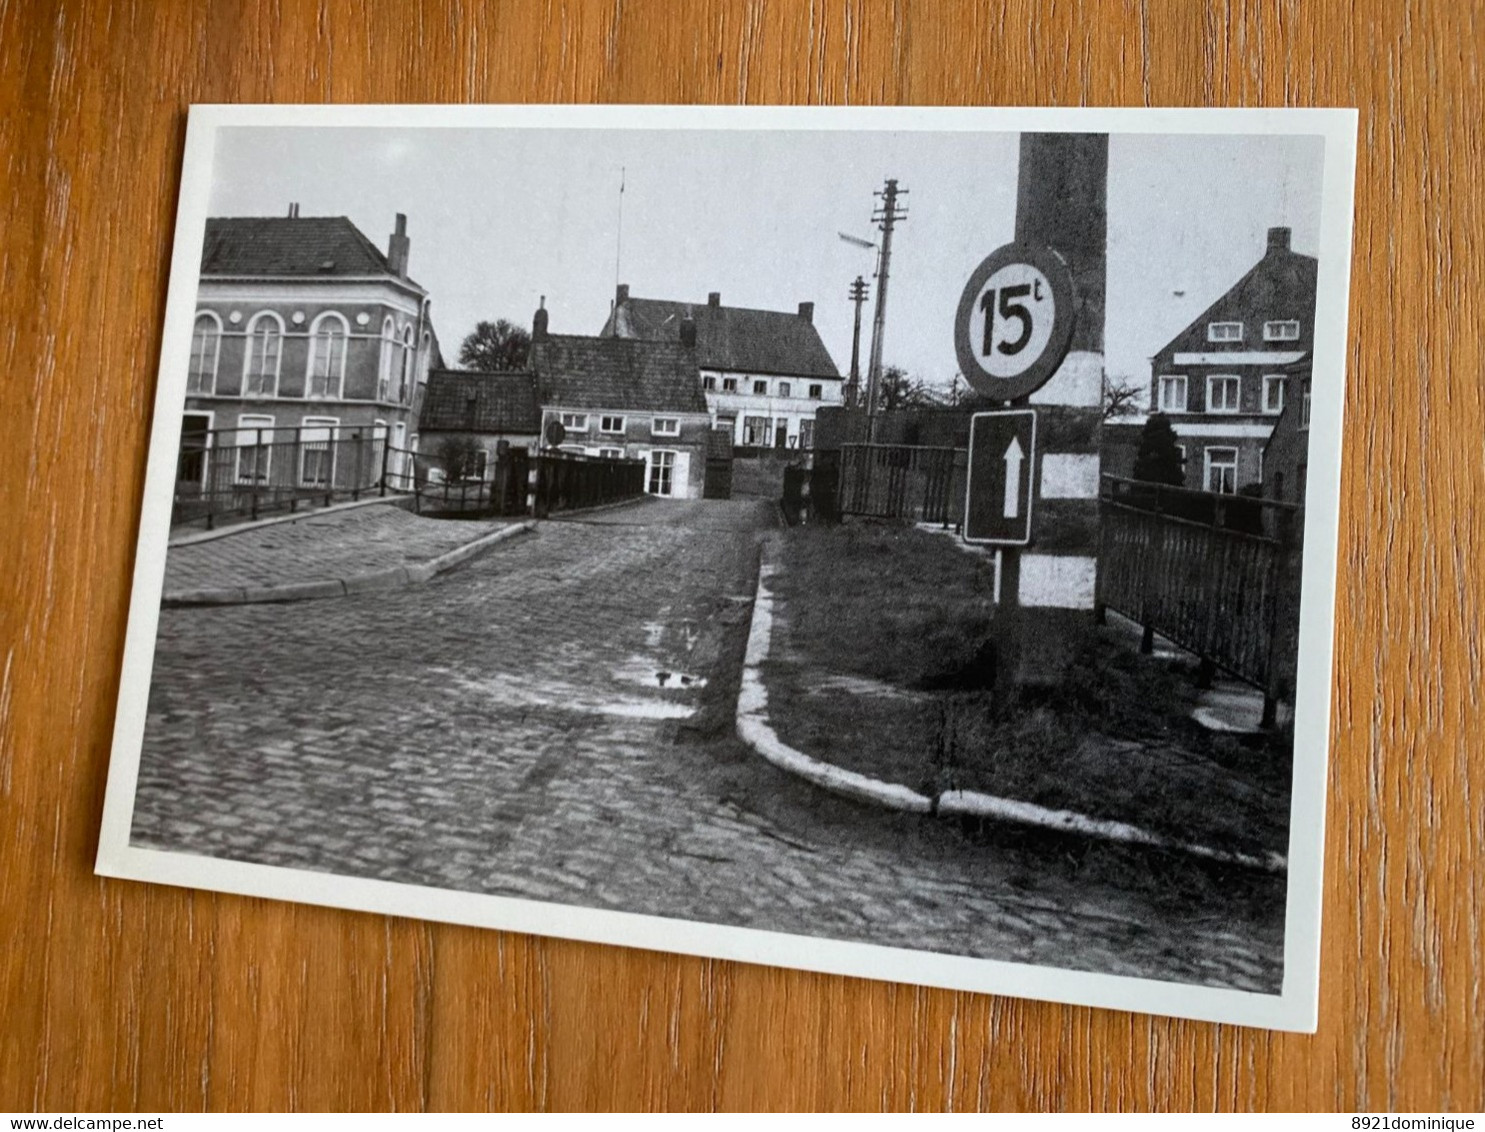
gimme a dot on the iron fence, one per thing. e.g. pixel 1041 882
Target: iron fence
pixel 568 482
pixel 899 481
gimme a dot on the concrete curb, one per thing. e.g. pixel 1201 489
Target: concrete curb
pixel 394 577
pixel 196 537
pixel 754 729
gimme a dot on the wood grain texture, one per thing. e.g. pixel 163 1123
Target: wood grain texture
pixel 126 996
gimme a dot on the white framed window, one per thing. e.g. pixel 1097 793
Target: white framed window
pixel 806 434
pixel 784 388
pixel 817 391
pixel 781 431
pixel 729 385
pixel 317 451
pixel 574 422
pixel 206 351
pixel 254 449
pixel 611 453
pixel 195 447
pixel 481 463
pixel 662 473
pixel 387 362
pixel 405 382
pixel 709 382
pixel 1223 393
pixel 1172 393
pixel 760 388
pixel 1281 330
pixel 1304 404
pixel 327 339
pixel 755 432
pixel 665 426
pixel 265 349
pixel 1273 393
pixel 1221 470
pixel 611 424
pixel 1224 332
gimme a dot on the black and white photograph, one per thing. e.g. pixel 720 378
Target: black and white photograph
pixel 894 543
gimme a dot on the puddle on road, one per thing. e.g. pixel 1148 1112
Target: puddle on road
pixel 515 691
pixel 646 672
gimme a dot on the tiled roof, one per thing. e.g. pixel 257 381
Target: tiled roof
pixel 730 338
pixel 470 401
pixel 617 373
pixel 282 245
pixel 1281 285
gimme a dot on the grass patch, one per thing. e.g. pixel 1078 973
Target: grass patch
pixel 905 617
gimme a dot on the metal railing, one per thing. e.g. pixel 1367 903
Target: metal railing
pixel 568 482
pixel 900 481
pixel 245 473
pixel 1217 575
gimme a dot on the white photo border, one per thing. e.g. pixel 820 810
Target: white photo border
pixel 1294 1008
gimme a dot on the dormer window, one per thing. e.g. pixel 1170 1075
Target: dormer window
pixel 1224 332
pixel 1282 330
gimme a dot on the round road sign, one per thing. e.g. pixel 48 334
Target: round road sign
pixel 555 433
pixel 1015 321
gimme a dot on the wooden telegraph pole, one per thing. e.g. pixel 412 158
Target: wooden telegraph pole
pixel 887 216
pixel 853 385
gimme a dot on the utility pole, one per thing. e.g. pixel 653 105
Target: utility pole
pixel 886 216
pixel 853 386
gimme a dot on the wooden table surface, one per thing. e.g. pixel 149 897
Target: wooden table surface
pixel 125 996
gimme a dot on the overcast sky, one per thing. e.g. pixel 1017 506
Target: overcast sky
pixel 498 217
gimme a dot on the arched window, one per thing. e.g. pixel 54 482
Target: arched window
pixel 404 387
pixel 386 368
pixel 206 346
pixel 265 347
pixel 327 340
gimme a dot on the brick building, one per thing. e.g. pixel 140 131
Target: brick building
pixel 305 331
pixel 764 374
pixel 626 398
pixel 1225 379
pixel 485 408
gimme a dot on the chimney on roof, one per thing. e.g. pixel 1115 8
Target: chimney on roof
pixel 293 210
pixel 807 311
pixel 1278 239
pixel 397 248
pixel 714 299
pixel 621 294
pixel 688 331
pixel 539 323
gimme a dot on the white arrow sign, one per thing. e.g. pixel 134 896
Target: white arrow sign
pixel 1013 457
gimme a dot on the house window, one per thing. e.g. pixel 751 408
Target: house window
pixel 816 392
pixel 662 469
pixel 327 356
pixel 387 363
pixel 781 433
pixel 709 383
pixel 264 350
pixel 611 453
pixel 1181 448
pixel 1173 393
pixel 195 442
pixel 481 463
pixel 755 431
pixel 1221 471
pixel 1224 332
pixel 1273 393
pixel 666 426
pixel 783 389
pixel 1304 404
pixel 611 424
pixel 806 434
pixel 206 346
pixel 1282 330
pixel 317 452
pixel 1222 393
pixel 729 385
pixel 254 448
pixel 574 422
pixel 409 355
pixel 760 388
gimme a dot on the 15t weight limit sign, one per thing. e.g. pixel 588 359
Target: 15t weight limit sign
pixel 1015 321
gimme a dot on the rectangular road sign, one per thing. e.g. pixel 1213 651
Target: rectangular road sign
pixel 998 494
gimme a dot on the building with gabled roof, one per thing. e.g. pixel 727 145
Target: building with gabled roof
pixel 483 407
pixel 1225 379
pixel 764 373
pixel 625 398
pixel 307 337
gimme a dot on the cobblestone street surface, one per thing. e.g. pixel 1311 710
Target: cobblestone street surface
pixel 554 720
pixel 333 545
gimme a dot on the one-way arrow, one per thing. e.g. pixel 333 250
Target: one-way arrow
pixel 1013 457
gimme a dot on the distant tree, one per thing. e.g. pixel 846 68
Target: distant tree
pixel 897 389
pixel 1121 397
pixel 498 345
pixel 1158 459
pixel 459 456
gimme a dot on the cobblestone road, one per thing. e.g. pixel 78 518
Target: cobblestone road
pixel 554 720
pixel 336 544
